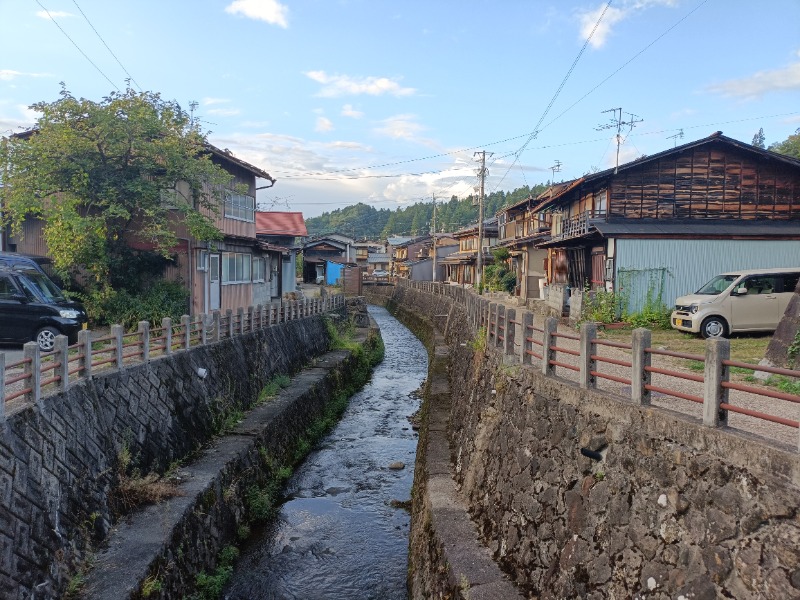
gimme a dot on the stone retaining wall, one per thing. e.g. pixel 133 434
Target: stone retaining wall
pixel 577 494
pixel 58 460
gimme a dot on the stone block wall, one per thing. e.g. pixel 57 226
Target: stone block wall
pixel 58 460
pixel 578 494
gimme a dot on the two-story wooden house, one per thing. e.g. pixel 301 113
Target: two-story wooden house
pixel 662 225
pixel 281 236
pixel 461 267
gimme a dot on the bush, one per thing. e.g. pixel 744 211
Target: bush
pixel 159 300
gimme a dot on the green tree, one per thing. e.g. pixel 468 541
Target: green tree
pixel 790 146
pixel 97 173
pixel 758 139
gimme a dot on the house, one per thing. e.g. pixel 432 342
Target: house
pixel 407 252
pixel 364 249
pixel 392 242
pixel 218 275
pixel 660 226
pixel 461 266
pixel 318 250
pixel 280 236
pixel 378 261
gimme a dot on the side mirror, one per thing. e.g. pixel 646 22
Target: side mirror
pixel 20 298
pixel 742 291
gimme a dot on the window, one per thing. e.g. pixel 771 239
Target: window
pixel 790 282
pixel 259 269
pixel 236 267
pixel 240 206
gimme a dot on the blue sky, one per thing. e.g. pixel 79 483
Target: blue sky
pixel 386 102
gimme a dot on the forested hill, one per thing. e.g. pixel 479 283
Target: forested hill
pixel 362 221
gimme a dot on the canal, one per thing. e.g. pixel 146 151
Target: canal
pixel 340 533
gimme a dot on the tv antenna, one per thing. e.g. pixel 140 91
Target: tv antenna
pixel 192 107
pixel 556 168
pixel 676 137
pixel 618 123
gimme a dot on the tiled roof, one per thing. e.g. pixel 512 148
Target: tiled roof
pixel 280 223
pixel 377 258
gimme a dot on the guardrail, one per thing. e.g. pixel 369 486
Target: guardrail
pixel 38 373
pixel 587 357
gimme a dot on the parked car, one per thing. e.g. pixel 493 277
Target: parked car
pixel 40 263
pixel 751 300
pixel 380 273
pixel 33 308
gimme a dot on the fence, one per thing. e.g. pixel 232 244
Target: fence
pixel 585 357
pixel 35 373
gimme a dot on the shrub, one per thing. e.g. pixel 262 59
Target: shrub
pixel 159 300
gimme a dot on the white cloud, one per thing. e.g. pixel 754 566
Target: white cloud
pixel 349 111
pixel 760 83
pixel 341 85
pixel 402 127
pixel 53 14
pixel 341 145
pixel 211 101
pixel 224 112
pixel 22 117
pixel 613 15
pixel 269 11
pixel 9 74
pixel 323 124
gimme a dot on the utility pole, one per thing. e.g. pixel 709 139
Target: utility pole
pixel 675 137
pixel 434 237
pixel 617 123
pixel 479 262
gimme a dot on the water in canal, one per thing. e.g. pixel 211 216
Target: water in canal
pixel 338 536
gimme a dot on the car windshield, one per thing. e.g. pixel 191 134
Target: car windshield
pixel 38 285
pixel 716 286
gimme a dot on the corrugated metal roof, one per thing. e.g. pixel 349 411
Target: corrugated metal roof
pixel 704 228
pixel 280 223
pixel 377 258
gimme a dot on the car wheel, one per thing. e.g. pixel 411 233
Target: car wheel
pixel 714 327
pixel 46 338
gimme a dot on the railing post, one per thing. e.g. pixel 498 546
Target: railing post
pixel 186 325
pixel 33 371
pixel 116 332
pixel 550 326
pixel 2 387
pixel 205 322
pixel 215 319
pixel 85 353
pixel 240 319
pixel 587 364
pixel 527 325
pixel 229 315
pixel 250 312
pixel 260 319
pixel 144 333
pixel 717 350
pixel 640 359
pixel 499 325
pixel 62 349
pixel 166 324
pixel 510 338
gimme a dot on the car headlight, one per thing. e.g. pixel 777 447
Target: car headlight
pixel 693 308
pixel 69 314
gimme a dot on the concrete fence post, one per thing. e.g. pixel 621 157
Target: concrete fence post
pixel 33 372
pixel 260 311
pixel 62 372
pixel 250 321
pixel 587 363
pixel 229 315
pixel 240 319
pixel 511 325
pixel 717 350
pixel 2 387
pixel 640 360
pixel 117 332
pixel 85 353
pixel 550 327
pixel 144 334
pixel 205 323
pixel 526 334
pixel 186 325
pixel 500 325
pixel 215 337
pixel 166 324
pixel 490 316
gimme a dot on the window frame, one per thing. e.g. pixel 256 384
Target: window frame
pixel 239 207
pixel 241 262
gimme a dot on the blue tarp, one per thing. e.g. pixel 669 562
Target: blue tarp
pixel 333 272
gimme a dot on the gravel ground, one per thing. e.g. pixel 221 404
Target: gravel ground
pixel 772 431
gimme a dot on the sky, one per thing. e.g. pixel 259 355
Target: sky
pixel 387 103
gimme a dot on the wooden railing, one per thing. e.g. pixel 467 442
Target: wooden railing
pixel 28 379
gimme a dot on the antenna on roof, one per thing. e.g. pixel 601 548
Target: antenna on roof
pixel 617 123
pixel 676 137
pixel 556 168
pixel 192 107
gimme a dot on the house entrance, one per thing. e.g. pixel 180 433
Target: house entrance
pixel 213 282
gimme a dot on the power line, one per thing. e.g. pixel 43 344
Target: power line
pixel 76 45
pixel 130 77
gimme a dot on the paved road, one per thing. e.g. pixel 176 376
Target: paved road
pixel 13 352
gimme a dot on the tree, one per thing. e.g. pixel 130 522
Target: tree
pixel 99 173
pixel 790 146
pixel 758 139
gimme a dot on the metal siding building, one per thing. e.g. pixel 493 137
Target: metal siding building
pixel 685 265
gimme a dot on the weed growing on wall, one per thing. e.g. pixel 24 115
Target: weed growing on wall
pixel 478 344
pixel 210 586
pixel 135 489
pixel 273 386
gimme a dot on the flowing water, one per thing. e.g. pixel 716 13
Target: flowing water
pixel 338 535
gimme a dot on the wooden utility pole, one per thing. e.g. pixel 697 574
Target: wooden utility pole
pixel 434 237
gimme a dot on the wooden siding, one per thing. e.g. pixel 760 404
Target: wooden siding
pixel 706 183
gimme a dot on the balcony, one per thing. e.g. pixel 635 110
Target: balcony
pixel 578 226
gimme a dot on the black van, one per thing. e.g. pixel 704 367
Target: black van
pixel 33 308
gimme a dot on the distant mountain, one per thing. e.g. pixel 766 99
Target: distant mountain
pixel 362 221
